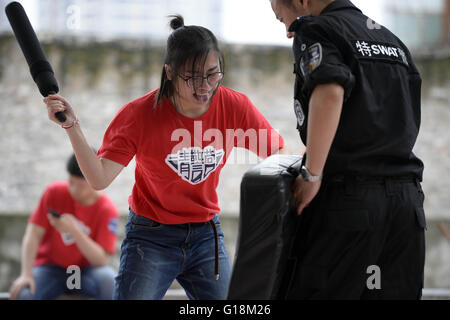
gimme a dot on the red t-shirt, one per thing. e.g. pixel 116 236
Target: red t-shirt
pixel 99 221
pixel 179 159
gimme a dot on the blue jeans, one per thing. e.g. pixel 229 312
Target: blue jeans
pixel 51 282
pixel 154 255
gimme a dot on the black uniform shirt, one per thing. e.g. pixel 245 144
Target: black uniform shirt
pixel 381 113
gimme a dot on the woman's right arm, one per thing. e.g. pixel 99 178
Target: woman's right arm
pixel 98 172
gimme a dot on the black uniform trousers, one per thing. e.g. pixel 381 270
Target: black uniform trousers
pixel 352 227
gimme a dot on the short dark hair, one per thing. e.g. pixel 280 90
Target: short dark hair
pixel 185 44
pixel 72 166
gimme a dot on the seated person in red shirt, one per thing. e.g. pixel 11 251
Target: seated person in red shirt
pixel 84 237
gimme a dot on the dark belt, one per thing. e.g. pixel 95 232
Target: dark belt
pixel 216 251
pixel 368 179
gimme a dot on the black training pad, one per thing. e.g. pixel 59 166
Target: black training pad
pixel 266 224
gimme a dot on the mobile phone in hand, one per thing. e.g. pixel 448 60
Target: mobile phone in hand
pixel 54 213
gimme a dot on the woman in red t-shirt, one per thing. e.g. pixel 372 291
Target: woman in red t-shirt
pixel 181 135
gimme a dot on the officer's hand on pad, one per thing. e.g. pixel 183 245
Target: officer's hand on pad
pixel 305 192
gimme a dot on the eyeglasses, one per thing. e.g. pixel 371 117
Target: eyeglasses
pixel 196 82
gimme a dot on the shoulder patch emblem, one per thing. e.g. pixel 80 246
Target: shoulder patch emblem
pixel 113 225
pixel 299 113
pixel 311 59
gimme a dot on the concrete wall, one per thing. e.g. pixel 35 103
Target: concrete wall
pixel 98 78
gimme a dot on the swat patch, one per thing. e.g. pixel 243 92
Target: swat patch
pixel 299 112
pixel 380 51
pixel 311 59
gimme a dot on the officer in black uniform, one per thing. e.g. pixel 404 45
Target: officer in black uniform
pixel 357 102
